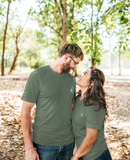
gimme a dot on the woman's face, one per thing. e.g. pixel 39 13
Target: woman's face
pixel 84 78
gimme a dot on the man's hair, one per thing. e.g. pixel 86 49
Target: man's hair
pixel 71 48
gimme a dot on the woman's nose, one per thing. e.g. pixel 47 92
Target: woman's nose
pixel 81 74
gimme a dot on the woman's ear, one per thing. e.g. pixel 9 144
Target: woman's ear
pixel 92 83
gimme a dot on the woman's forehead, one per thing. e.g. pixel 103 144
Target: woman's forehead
pixel 88 70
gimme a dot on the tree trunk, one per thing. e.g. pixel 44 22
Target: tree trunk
pixel 15 58
pixel 111 65
pixel 92 60
pixel 94 53
pixel 64 23
pixel 30 58
pixel 30 61
pixel 119 62
pixel 4 40
pixel 76 74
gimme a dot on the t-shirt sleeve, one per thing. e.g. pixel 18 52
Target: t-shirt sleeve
pixel 73 100
pixel 94 118
pixel 32 89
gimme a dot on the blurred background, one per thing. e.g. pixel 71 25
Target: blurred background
pixel 32 31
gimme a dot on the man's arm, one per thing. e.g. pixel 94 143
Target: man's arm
pixel 26 129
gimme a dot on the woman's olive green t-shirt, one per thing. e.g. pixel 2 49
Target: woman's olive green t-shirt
pixel 87 116
pixel 53 94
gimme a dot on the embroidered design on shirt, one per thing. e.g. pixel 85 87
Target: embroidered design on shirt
pixel 71 90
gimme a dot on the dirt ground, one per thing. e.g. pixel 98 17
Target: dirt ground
pixel 117 127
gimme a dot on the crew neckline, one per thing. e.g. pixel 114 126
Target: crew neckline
pixel 57 74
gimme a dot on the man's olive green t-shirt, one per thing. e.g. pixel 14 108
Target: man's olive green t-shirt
pixel 87 116
pixel 53 94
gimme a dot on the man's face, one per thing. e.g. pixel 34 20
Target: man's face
pixel 71 64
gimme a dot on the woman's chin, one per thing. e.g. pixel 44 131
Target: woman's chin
pixel 78 83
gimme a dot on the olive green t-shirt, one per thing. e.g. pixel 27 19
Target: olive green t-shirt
pixel 53 94
pixel 87 116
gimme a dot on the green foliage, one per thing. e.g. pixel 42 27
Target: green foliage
pixel 74 34
pixel 37 63
pixel 87 31
pixel 49 16
pixel 87 52
pixel 41 36
pixel 97 39
pixel 119 4
pixel 127 54
pixel 123 20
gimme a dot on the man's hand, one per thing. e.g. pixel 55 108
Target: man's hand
pixel 74 150
pixel 32 155
pixel 74 158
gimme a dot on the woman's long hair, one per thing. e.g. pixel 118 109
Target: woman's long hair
pixel 95 91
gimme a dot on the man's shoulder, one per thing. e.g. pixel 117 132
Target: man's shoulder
pixel 40 72
pixel 72 78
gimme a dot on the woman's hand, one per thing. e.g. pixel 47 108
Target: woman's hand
pixel 74 158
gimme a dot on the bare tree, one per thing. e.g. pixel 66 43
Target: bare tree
pixel 16 36
pixel 4 38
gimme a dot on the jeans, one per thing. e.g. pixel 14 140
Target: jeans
pixel 55 152
pixel 105 156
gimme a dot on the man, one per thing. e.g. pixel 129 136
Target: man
pixel 52 88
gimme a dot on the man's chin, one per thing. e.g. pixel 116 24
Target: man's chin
pixel 68 71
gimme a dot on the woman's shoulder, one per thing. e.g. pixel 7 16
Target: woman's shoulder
pixel 94 105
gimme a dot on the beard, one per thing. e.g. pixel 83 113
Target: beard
pixel 66 67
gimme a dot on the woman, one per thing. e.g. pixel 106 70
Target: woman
pixel 88 117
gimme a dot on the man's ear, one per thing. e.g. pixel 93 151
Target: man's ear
pixel 66 58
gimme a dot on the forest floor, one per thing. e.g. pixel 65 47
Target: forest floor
pixel 117 127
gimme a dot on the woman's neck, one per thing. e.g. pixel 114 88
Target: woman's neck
pixel 83 90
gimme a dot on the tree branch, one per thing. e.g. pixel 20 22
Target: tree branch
pixel 53 29
pixel 12 32
pixel 72 10
pixel 72 27
pixel 61 18
pixel 20 31
pixel 113 9
pixel 61 4
pixel 72 16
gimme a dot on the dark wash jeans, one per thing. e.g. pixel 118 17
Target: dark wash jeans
pixel 55 152
pixel 105 156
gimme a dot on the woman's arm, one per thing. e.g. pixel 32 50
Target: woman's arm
pixel 87 144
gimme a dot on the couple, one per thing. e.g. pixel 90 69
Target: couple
pixel 56 126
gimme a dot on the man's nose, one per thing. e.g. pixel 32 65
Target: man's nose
pixel 75 67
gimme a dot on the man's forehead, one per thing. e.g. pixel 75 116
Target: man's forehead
pixel 77 59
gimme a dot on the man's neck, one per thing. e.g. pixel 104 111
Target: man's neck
pixel 57 66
